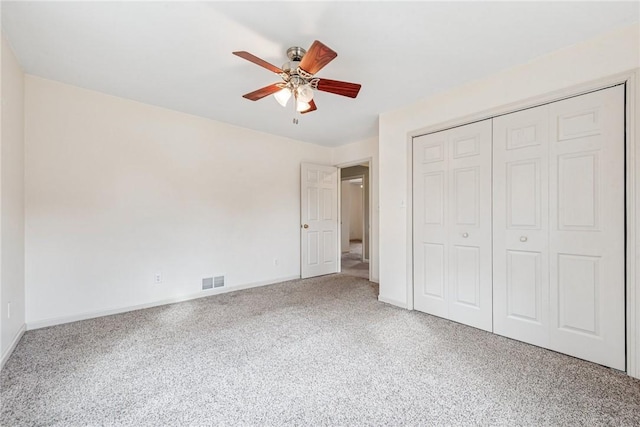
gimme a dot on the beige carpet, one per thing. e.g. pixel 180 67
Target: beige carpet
pixel 352 263
pixel 311 352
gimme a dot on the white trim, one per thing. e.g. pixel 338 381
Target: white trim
pixel 392 301
pixel 203 294
pixel 339 234
pixel 14 343
pixel 409 213
pixel 632 191
pixel 633 225
pixel 356 163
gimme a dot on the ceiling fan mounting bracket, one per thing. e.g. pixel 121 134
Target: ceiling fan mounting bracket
pixel 295 53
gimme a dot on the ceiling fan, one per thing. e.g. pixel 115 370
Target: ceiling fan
pixel 299 79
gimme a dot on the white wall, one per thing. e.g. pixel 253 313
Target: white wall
pixel 356 214
pixel 354 153
pixel 117 191
pixel 11 203
pixel 345 220
pixel 606 55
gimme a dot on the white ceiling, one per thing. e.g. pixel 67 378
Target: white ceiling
pixel 178 54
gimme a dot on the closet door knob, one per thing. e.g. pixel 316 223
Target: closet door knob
pixel 465 235
pixel 523 238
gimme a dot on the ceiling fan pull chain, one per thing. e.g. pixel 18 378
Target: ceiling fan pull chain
pixel 295 120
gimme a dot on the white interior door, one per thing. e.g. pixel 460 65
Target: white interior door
pixel 319 220
pixel 521 225
pixel 430 224
pixel 559 226
pixel 586 201
pixel 452 224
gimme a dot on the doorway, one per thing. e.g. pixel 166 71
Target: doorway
pixel 354 220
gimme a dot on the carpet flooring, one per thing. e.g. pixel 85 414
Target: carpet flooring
pixel 321 351
pixel 351 262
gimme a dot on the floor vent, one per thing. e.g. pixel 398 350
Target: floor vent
pixel 207 283
pixel 218 281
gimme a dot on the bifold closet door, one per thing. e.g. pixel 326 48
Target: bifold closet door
pixel 521 225
pixel 559 226
pixel 452 224
pixel 586 201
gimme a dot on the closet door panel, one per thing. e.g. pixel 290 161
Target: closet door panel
pixel 452 224
pixel 470 293
pixel 520 226
pixel 466 276
pixel 524 286
pixel 430 211
pixel 587 254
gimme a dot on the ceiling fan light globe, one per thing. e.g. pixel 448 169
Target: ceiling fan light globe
pixel 282 96
pixel 304 93
pixel 302 106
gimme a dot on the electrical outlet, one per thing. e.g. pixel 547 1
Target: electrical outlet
pixel 276 261
pixel 158 278
pixel 9 310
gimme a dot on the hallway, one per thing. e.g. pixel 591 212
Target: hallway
pixel 352 263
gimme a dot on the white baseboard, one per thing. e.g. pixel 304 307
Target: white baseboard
pixel 37 324
pixel 14 343
pixel 392 301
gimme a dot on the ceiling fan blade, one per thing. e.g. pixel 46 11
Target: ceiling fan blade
pixel 261 62
pixel 339 88
pixel 316 57
pixel 312 107
pixel 262 92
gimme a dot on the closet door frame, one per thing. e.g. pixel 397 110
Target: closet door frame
pixel 632 189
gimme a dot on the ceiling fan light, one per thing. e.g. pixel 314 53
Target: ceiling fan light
pixel 302 106
pixel 304 93
pixel 282 96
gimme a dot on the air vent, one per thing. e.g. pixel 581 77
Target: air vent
pixel 207 283
pixel 218 281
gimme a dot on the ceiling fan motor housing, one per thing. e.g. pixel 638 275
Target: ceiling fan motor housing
pixel 295 54
pixel 291 67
